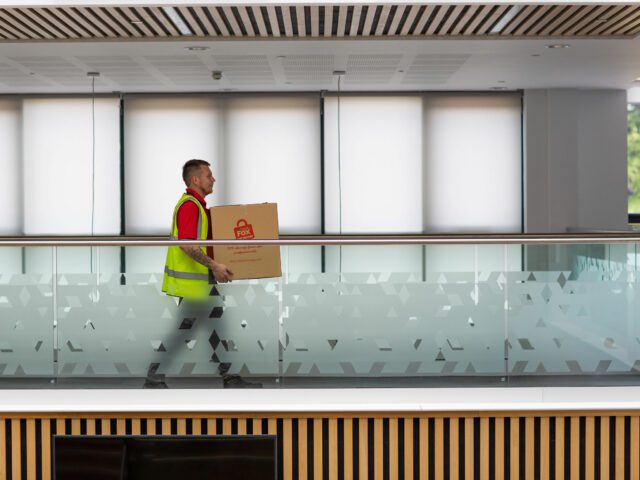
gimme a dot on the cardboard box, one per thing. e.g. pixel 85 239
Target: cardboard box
pixel 247 222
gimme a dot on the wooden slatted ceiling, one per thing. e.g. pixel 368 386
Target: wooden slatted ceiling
pixel 359 21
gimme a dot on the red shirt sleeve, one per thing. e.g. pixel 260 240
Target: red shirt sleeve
pixel 188 214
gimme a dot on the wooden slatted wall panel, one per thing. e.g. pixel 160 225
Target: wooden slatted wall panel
pixel 373 446
pixel 358 20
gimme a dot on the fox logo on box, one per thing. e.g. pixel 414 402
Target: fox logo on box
pixel 243 230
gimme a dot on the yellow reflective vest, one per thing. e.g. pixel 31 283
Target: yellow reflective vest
pixel 183 276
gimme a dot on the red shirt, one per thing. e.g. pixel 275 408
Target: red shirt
pixel 188 214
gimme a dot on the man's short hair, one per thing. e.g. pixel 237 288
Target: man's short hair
pixel 191 168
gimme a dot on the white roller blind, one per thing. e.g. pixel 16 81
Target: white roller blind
pixel 472 163
pixel 272 154
pixel 161 134
pixel 11 178
pixel 57 146
pixel 378 178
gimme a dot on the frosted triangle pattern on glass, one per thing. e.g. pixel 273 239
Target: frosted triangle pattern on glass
pixel 26 325
pixel 119 325
pixel 374 324
pixel 578 321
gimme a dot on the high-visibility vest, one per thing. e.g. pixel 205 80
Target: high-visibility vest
pixel 183 276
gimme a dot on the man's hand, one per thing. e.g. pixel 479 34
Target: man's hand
pixel 221 273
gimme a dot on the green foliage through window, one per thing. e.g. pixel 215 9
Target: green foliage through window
pixel 633 164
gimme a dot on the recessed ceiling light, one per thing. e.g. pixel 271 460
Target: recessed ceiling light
pixel 497 88
pixel 281 57
pixel 196 49
pixel 502 81
pixel 557 45
pixel 535 54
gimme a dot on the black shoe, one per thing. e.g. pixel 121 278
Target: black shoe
pixel 151 382
pixel 236 381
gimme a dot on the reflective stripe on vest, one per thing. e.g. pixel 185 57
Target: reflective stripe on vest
pixel 186 275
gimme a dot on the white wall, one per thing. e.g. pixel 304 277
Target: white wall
pixel 575 160
pixel 10 185
pixel 633 95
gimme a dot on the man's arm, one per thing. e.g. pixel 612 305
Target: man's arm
pixel 221 273
pixel 187 230
pixel 198 255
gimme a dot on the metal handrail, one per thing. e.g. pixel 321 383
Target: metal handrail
pixel 443 239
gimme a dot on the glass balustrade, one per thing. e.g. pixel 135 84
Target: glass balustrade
pixel 403 315
pixel 572 315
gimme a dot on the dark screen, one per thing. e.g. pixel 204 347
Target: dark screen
pixel 163 458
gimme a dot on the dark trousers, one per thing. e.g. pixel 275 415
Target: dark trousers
pixel 191 313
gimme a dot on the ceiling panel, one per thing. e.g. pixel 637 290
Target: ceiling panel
pixel 269 20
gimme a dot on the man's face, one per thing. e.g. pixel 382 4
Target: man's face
pixel 205 180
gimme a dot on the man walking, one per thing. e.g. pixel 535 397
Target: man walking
pixel 191 272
